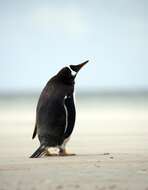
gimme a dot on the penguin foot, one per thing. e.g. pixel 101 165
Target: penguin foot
pixel 65 153
pixel 52 152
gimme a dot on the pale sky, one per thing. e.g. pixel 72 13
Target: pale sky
pixel 37 38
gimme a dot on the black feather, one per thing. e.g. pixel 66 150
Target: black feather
pixel 39 152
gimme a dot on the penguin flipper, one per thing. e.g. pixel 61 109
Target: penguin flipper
pixel 34 132
pixel 39 152
pixel 70 106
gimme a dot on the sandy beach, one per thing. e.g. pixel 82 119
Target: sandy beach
pixel 110 140
pixel 102 172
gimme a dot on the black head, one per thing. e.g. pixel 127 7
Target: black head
pixel 69 73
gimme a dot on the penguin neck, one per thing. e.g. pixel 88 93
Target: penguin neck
pixel 65 80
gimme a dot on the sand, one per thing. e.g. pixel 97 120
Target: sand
pixel 100 172
pixel 111 144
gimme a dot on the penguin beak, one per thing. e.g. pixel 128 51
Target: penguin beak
pixel 76 68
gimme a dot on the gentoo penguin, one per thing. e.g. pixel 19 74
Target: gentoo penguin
pixel 55 113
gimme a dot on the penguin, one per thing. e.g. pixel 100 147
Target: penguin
pixel 56 112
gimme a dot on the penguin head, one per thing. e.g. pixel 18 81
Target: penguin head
pixel 76 68
pixel 69 73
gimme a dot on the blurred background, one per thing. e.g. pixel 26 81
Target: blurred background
pixel 38 38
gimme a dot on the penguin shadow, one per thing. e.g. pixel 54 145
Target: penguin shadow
pixel 67 154
pixel 55 152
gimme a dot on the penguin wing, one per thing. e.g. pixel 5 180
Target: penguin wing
pixel 71 115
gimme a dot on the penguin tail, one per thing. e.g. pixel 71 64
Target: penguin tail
pixel 34 132
pixel 39 152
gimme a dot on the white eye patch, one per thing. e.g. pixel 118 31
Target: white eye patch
pixel 73 73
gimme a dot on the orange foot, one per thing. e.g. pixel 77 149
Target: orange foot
pixel 48 154
pixel 51 152
pixel 63 152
